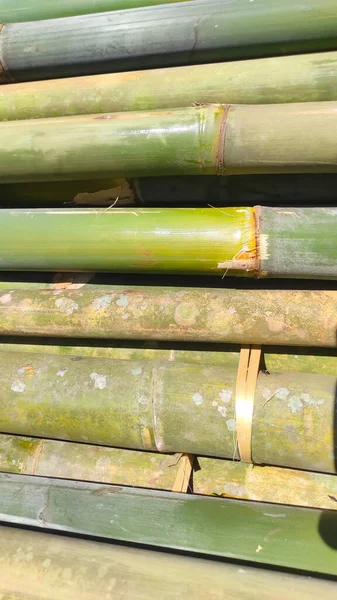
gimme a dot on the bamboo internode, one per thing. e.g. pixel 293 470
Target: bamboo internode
pixel 167 35
pixel 241 316
pixel 299 78
pixel 199 140
pixel 257 241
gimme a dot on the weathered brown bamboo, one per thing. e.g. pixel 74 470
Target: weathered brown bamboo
pixel 168 407
pixel 240 316
pixel 217 140
pixel 42 565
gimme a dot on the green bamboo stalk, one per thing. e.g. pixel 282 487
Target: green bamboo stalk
pixel 262 533
pixel 276 360
pixel 225 241
pixel 221 140
pixel 19 11
pixel 278 190
pixel 239 316
pixel 265 484
pixel 68 460
pixel 299 78
pixel 175 34
pixel 167 407
pixel 43 565
pixel 43 457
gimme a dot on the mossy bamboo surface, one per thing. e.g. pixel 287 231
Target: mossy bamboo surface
pixel 264 484
pixel 239 316
pixel 293 360
pixel 168 407
pixel 43 457
pixel 167 35
pixel 197 140
pixel 20 11
pixel 278 190
pixel 285 536
pixel 41 565
pixel 68 460
pixel 246 241
pixel 299 78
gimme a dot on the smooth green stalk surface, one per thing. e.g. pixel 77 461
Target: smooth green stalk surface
pixel 299 78
pixel 168 35
pixel 261 533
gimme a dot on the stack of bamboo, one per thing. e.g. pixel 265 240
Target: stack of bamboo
pixel 168 299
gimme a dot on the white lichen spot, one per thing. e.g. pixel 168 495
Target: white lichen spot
pixel 295 404
pixel 102 302
pixel 18 386
pixel 66 305
pixel 259 548
pixel 197 399
pixel 143 400
pixel 61 373
pixel 21 371
pixel 310 401
pixel 226 395
pixel 282 393
pixel 46 563
pixel 99 380
pixel 125 316
pixel 123 301
pixel 241 571
pixel 215 403
pixel 266 394
pixel 222 410
pixel 231 425
pixel 137 371
pixel 295 355
pixel 6 299
pixel 232 310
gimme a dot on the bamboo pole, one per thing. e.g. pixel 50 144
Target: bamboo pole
pixel 239 316
pixel 265 484
pixel 174 34
pixel 168 407
pixel 293 360
pixel 68 460
pixel 221 140
pixel 291 189
pixel 262 533
pixel 299 78
pixel 43 565
pixel 255 242
pixel 19 11
pixel 50 458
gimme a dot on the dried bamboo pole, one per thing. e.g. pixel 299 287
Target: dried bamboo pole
pixel 174 34
pixel 226 241
pixel 217 140
pixel 262 533
pixel 239 316
pixel 42 565
pixel 299 78
pixel 168 407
